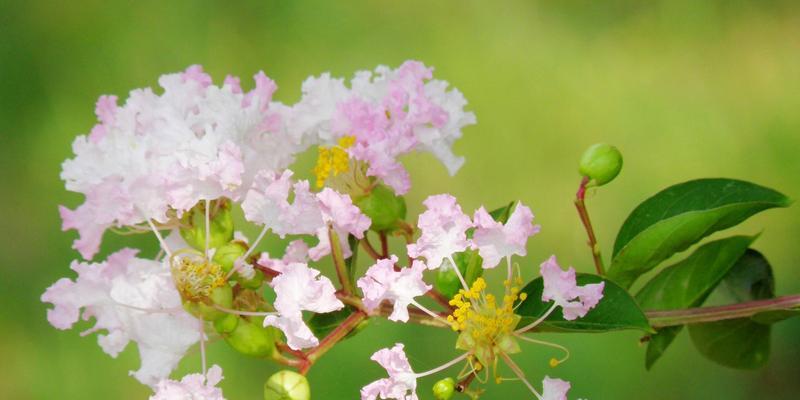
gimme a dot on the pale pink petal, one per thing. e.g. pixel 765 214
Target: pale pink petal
pixel 381 282
pixel 554 389
pixel 561 287
pixel 191 387
pixel 297 289
pixel 496 241
pixel 401 383
pixel 444 230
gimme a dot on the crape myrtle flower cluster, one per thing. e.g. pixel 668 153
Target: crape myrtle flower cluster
pixel 176 162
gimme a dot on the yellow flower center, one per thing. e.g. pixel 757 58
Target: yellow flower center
pixel 480 314
pixel 195 276
pixel 331 161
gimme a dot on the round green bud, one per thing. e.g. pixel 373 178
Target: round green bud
pixel 193 226
pixel 253 283
pixel 226 324
pixel 228 253
pixel 250 338
pixel 601 163
pixel 287 385
pixel 383 207
pixel 222 296
pixel 444 389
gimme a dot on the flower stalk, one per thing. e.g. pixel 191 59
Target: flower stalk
pixel 580 204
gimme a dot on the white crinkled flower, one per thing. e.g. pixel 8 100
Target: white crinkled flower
pixel 191 387
pixel 444 230
pixel 155 153
pixel 382 282
pixel 301 288
pixel 401 383
pixel 132 299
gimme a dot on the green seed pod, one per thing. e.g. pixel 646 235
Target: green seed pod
pixel 601 163
pixel 250 338
pixel 228 253
pixel 444 389
pixel 226 324
pixel 193 223
pixel 287 385
pixel 383 207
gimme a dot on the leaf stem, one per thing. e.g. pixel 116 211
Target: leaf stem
pixel 338 261
pixel 580 204
pixel 660 319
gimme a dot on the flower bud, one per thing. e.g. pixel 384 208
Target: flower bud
pixel 601 163
pixel 193 225
pixel 444 389
pixel 228 253
pixel 250 338
pixel 287 385
pixel 383 207
pixel 221 296
pixel 226 324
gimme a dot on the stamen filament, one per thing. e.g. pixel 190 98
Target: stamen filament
pixel 208 228
pixel 202 347
pixel 542 342
pixel 458 273
pixel 517 371
pixel 160 239
pixel 443 367
pixel 248 252
pixel 431 313
pixel 537 322
pixel 246 313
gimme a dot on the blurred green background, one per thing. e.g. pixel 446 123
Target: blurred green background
pixel 685 89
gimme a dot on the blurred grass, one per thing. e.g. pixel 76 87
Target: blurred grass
pixel 685 88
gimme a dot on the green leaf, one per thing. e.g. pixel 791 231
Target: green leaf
pixel 322 324
pixel 616 311
pixel 658 343
pixel 681 215
pixel 501 214
pixel 687 284
pixel 739 343
pixel 469 262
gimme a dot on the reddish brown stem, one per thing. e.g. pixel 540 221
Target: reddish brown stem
pixel 337 334
pixel 580 204
pixel 367 246
pixel 439 298
pixel 660 319
pixel 384 244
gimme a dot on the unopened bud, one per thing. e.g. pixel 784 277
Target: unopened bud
pixel 444 389
pixel 193 225
pixel 250 338
pixel 227 254
pixel 226 323
pixel 383 207
pixel 601 163
pixel 287 385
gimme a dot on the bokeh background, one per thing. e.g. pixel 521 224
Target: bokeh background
pixel 685 89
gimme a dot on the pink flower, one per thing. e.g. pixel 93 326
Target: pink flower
pixel 132 299
pixel 192 386
pixel 301 288
pixel 401 383
pixel 339 212
pixel 561 287
pixel 496 241
pixel 554 389
pixel 444 230
pixel 267 203
pixel 382 282
pixel 296 252
pixel 162 152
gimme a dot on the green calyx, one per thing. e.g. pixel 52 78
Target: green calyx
pixel 287 385
pixel 444 389
pixel 193 225
pixel 248 336
pixel 601 163
pixel 383 207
